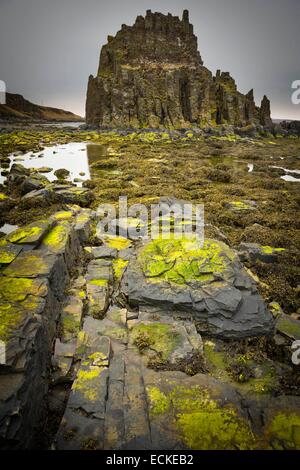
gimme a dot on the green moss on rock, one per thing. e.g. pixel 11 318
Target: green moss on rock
pixel 119 243
pixel 200 420
pixel 24 235
pixel 119 266
pixel 284 431
pixel 56 239
pixel 183 260
pixel 160 336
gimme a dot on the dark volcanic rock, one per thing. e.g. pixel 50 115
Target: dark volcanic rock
pixel 151 75
pixel 265 112
pixel 208 282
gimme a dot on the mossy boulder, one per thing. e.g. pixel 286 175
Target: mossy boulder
pixel 73 195
pixel 62 173
pixel 207 280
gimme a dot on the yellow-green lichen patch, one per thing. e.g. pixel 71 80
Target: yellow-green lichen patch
pixel 119 266
pixel 183 260
pixel 97 358
pixel 10 317
pixel 28 264
pixel 269 250
pixel 240 205
pixel 266 384
pixel 69 325
pixel 115 332
pixel 284 431
pixel 159 402
pixel 86 382
pixel 119 243
pixel 3 197
pixel 63 215
pixel 159 336
pixel 25 235
pixel 57 238
pixel 98 282
pixel 275 309
pixel 18 289
pixel 217 360
pixel 3 241
pixel 8 253
pixel 202 423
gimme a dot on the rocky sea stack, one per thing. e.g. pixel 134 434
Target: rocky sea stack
pixel 151 75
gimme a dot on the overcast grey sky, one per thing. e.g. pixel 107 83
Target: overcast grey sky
pixel 49 48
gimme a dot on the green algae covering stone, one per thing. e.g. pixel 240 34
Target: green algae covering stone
pixel 56 239
pixel 208 281
pixel 20 299
pixel 30 234
pixel 31 264
pixel 8 253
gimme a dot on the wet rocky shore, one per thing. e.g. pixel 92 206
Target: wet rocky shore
pixel 132 344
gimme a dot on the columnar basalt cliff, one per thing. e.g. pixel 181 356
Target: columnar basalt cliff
pixel 151 75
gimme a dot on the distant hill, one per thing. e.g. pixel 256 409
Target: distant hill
pixel 18 108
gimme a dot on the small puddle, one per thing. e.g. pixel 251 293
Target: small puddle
pixel 288 176
pixel 76 157
pixel 297 172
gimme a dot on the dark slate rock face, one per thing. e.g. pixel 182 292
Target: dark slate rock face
pixel 151 75
pixel 227 304
pixel 38 260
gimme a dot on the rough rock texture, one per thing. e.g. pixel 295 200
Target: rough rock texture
pixel 209 282
pixel 151 75
pixel 36 265
pixel 265 112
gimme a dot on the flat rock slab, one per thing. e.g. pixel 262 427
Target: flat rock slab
pixel 71 317
pixel 207 281
pixel 99 252
pixel 31 234
pixel 288 326
pixel 106 327
pixel 78 432
pixel 8 252
pixel 165 340
pixel 31 264
pixel 74 195
pixel 203 413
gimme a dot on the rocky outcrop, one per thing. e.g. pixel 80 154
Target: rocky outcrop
pixel 36 263
pixel 292 128
pixel 18 108
pixel 152 75
pixel 207 282
pixel 265 112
